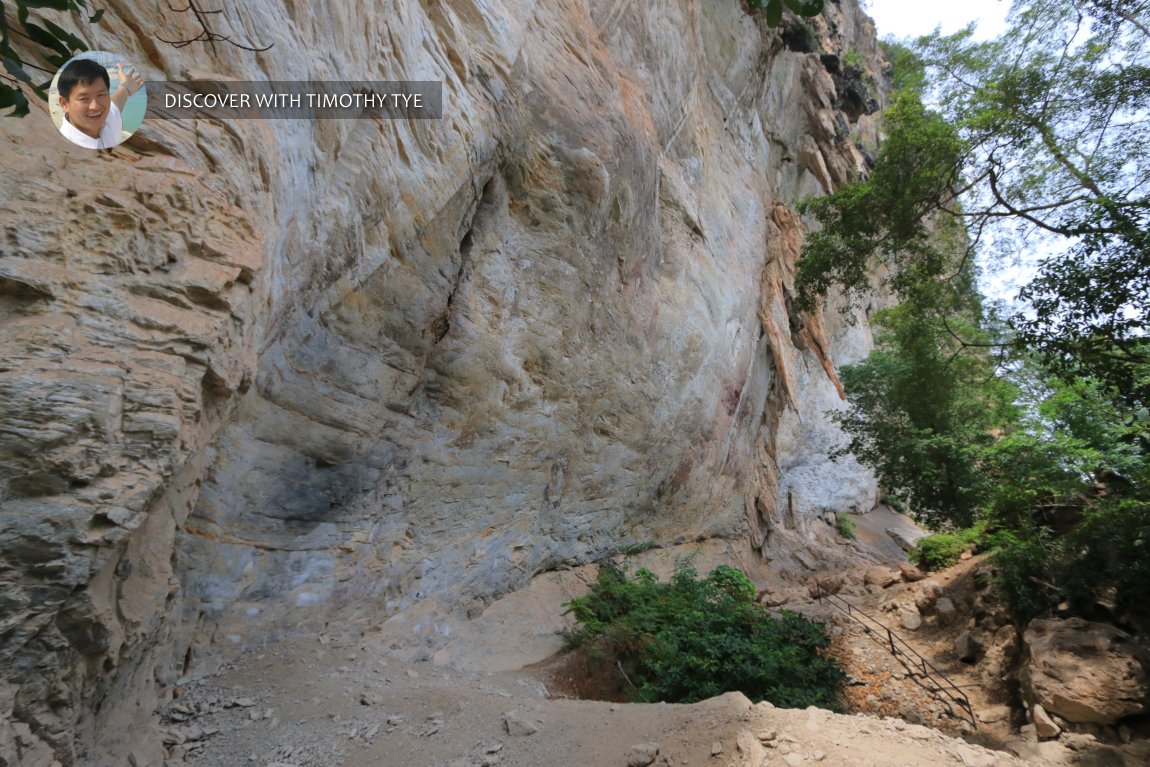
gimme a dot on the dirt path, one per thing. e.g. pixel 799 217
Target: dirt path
pixel 372 698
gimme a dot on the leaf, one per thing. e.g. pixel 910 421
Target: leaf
pixel 775 13
pixel 55 5
pixel 46 39
pixel 14 69
pixel 12 97
pixel 74 43
pixel 95 17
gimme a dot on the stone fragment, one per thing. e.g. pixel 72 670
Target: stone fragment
pixel 910 572
pixel 517 726
pixel 972 756
pixel 642 754
pixel 910 620
pixel 1044 725
pixel 1084 672
pixel 944 608
pixel 750 748
pixel 1048 753
pixel 968 647
pixel 716 748
pixel 998 659
pixel 882 577
pixel 794 760
pixel 929 593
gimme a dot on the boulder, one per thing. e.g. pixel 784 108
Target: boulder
pixel 969 646
pixel 1044 725
pixel 1082 671
pixel 883 577
pixel 910 620
pixel 911 572
pixel 929 593
pixel 945 609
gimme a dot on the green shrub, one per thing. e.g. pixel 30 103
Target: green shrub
pixel 941 550
pixel 1100 569
pixel 894 503
pixel 853 59
pixel 845 525
pixel 1026 572
pixel 689 639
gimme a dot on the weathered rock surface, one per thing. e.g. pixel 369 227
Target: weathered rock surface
pixel 1083 672
pixel 258 375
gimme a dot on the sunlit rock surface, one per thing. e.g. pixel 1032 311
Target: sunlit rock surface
pixel 259 376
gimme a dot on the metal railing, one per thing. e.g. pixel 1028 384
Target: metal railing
pixel 898 647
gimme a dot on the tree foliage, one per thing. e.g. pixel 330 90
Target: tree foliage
pixel 54 45
pixel 1054 117
pixel 922 408
pixel 690 639
pixel 1036 428
pixel 773 9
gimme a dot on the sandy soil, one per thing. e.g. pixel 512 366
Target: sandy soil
pixel 494 695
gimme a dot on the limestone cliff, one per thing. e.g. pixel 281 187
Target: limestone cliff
pixel 258 376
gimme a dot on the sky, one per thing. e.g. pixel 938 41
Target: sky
pixel 911 18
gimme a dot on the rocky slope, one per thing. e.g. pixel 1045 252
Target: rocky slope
pixel 261 376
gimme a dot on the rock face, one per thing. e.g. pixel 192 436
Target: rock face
pixel 257 375
pixel 1083 672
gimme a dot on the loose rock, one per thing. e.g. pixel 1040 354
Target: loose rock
pixel 517 725
pixel 642 754
pixel 1111 686
pixel 1044 725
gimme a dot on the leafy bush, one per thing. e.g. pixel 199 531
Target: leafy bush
pixel 1099 570
pixel 689 639
pixel 940 551
pixel 845 525
pixel 1026 572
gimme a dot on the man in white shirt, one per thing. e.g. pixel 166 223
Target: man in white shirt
pixel 91 115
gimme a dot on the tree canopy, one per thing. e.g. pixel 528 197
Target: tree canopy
pixel 1032 422
pixel 1039 141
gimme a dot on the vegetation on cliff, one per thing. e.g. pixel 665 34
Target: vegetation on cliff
pixel 1031 421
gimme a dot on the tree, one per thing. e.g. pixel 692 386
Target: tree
pixel 924 409
pixel 1049 148
pixel 1054 117
pixel 1044 132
